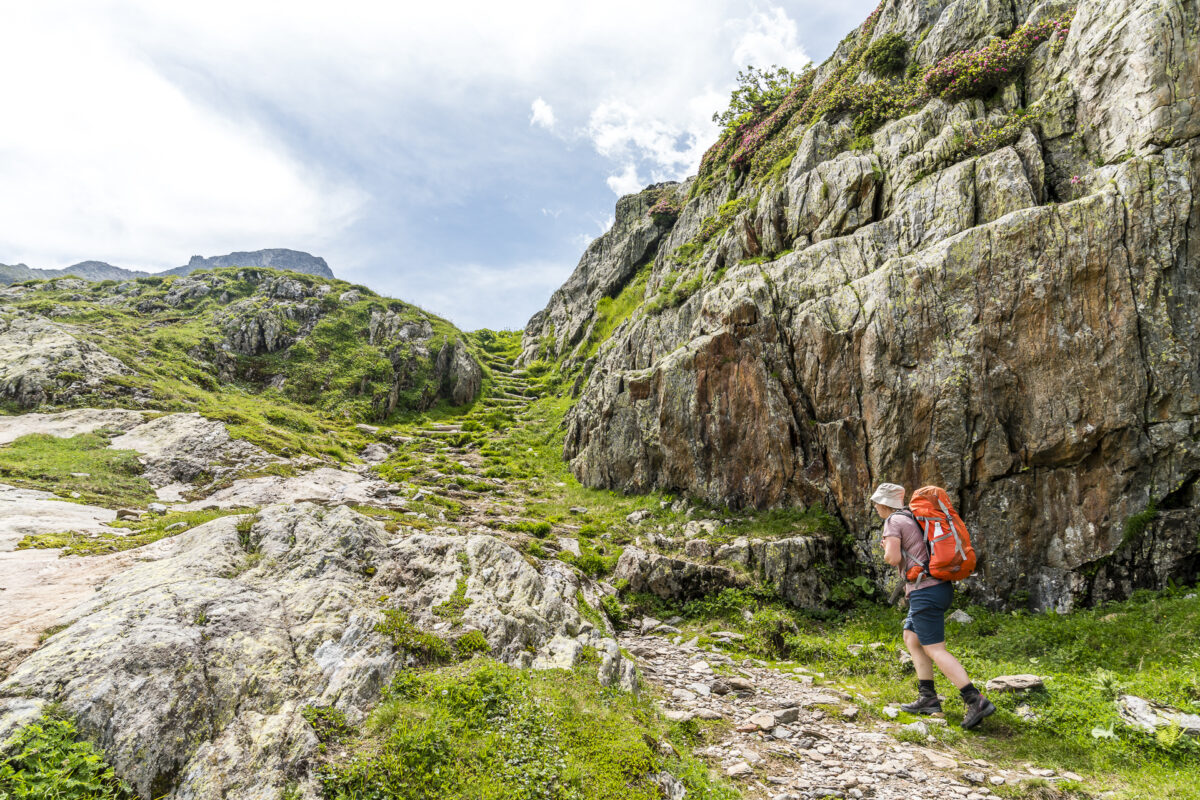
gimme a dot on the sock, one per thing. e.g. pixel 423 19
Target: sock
pixel 926 688
pixel 969 693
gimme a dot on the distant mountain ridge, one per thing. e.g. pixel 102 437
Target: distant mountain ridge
pixel 274 258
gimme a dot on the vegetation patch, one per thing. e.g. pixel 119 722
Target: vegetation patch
pixel 486 731
pixel 404 635
pixel 46 759
pixel 143 532
pixel 970 73
pixel 79 467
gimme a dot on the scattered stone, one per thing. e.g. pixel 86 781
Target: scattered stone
pixel 996 780
pixel 850 712
pixel 637 516
pixel 917 727
pixel 577 510
pixel 174 526
pixel 1150 716
pixel 1015 683
pixel 570 545
pixel 1041 772
pixel 708 713
pixel 961 617
pixel 786 716
pixel 740 684
pixel 891 712
pixel 974 777
pixel 739 770
pixel 156 508
pixel 649 624
pixel 128 513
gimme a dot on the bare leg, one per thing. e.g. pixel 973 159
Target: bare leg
pixel 921 660
pixel 947 663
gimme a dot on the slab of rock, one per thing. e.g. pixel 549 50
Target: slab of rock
pixel 1014 683
pixel 1149 716
pixel 184 447
pixel 324 485
pixel 961 617
pixel 203 695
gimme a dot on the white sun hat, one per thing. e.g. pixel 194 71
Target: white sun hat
pixel 890 495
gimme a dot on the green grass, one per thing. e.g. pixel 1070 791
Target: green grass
pixel 486 731
pixel 612 311
pixel 145 531
pixel 46 759
pixel 1148 646
pixel 333 377
pixel 80 465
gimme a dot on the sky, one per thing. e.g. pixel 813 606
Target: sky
pixel 459 154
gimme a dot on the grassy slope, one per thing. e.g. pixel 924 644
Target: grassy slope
pixel 334 377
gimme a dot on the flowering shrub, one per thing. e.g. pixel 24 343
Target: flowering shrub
pixel 667 209
pixel 763 130
pixel 970 73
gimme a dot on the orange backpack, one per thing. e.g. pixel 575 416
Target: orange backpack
pixel 951 557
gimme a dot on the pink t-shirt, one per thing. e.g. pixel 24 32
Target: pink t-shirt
pixel 912 539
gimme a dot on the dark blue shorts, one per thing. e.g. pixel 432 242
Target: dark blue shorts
pixel 927 612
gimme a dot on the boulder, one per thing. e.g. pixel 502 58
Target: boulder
pixel 1149 716
pixel 672 578
pixel 1014 683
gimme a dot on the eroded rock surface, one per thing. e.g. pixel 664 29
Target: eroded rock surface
pixel 40 360
pixel 191 666
pixel 1018 326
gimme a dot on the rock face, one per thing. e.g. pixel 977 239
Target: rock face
pixel 240 626
pixel 41 360
pixel 1018 326
pixel 276 258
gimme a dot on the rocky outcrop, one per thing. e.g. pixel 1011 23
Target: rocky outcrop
pixel 277 258
pixel 243 622
pixel 1016 323
pixel 41 360
pixel 181 448
pixel 609 263
pixel 274 258
pixel 424 371
pixel 670 578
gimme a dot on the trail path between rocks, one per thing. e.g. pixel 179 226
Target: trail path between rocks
pixel 792 739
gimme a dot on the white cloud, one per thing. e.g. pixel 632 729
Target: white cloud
pixel 625 182
pixel 543 114
pixel 768 38
pixel 380 135
pixel 103 158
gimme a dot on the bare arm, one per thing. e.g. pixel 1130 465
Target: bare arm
pixel 891 550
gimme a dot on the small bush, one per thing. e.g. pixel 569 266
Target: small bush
pixel 328 722
pixel 886 55
pixel 406 636
pixel 471 643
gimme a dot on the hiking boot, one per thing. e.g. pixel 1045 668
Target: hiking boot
pixel 976 711
pixel 924 704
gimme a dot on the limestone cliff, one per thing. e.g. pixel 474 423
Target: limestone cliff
pixel 982 275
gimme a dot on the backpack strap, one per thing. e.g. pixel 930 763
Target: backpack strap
pixel 923 563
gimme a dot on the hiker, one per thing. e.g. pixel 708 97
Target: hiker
pixel 905 546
